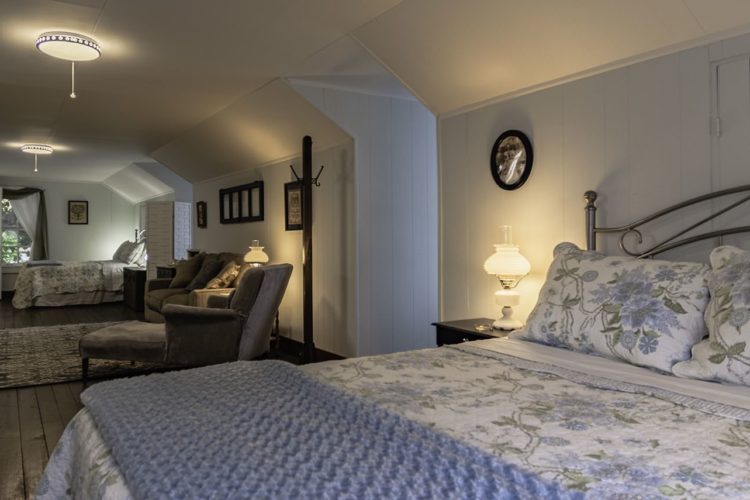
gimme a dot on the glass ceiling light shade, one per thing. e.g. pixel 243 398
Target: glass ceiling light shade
pixel 256 256
pixel 68 46
pixel 36 150
pixel 71 47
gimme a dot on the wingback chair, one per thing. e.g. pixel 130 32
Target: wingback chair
pixel 237 327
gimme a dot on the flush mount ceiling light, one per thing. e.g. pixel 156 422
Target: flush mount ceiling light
pixel 36 150
pixel 69 47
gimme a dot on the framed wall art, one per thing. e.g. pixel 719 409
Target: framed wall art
pixel 200 214
pixel 78 212
pixel 511 159
pixel 241 203
pixel 293 206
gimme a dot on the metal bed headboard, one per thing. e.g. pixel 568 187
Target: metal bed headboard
pixel 673 241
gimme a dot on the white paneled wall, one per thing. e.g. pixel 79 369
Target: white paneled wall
pixel 334 275
pixel 396 216
pixel 639 135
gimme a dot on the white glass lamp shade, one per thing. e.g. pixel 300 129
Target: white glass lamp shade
pixel 256 255
pixel 507 264
pixel 68 46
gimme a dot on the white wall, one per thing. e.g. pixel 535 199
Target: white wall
pixel 396 207
pixel 110 220
pixel 334 275
pixel 639 135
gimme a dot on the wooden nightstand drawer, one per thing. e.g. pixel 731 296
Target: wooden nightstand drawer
pixel 455 332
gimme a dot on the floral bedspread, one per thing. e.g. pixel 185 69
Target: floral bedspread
pixel 606 444
pixel 70 277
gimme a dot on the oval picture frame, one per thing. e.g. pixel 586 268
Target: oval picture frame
pixel 511 160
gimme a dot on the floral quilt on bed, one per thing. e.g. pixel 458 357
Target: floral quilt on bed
pixel 602 443
pixel 70 277
pixel 607 444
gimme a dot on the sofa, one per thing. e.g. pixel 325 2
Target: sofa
pixel 178 290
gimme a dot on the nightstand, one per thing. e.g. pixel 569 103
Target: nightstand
pixel 134 279
pixel 464 330
pixel 165 272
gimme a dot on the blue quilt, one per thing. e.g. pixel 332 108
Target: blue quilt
pixel 267 430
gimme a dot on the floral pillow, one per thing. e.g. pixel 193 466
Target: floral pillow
pixel 725 355
pixel 225 277
pixel 646 312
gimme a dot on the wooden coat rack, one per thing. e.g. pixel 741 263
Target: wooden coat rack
pixel 308 181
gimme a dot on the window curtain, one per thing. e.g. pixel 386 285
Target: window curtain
pixel 31 211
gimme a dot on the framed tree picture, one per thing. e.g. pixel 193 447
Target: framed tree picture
pixel 78 212
pixel 293 206
pixel 201 207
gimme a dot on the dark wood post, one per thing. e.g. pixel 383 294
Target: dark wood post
pixel 308 353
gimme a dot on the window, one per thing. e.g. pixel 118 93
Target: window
pixel 16 243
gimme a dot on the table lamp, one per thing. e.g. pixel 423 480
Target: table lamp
pixel 256 257
pixel 509 266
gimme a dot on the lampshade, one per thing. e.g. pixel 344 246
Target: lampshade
pixel 256 255
pixel 507 263
pixel 68 46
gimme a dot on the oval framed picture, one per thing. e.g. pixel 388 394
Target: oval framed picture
pixel 511 159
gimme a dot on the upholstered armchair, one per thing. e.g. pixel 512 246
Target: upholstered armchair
pixel 235 327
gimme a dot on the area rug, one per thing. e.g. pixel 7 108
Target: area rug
pixel 49 354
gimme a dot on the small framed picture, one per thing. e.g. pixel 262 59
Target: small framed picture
pixel 200 209
pixel 293 206
pixel 78 212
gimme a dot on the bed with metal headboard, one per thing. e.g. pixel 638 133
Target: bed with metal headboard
pixel 630 234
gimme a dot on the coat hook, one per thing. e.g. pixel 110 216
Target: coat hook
pixel 315 179
pixel 295 173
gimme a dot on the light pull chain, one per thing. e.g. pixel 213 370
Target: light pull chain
pixel 35 164
pixel 72 79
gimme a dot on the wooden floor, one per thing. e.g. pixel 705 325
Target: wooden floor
pixel 32 419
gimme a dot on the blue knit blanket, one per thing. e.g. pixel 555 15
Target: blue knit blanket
pixel 266 430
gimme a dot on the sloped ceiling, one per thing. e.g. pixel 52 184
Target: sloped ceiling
pixel 177 78
pixel 264 126
pixel 136 185
pixel 167 65
pixel 454 54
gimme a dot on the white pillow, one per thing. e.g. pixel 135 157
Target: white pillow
pixel 118 253
pixel 135 253
pixel 646 312
pixel 725 355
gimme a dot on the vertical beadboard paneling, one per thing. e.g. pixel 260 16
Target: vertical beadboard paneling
pixel 454 240
pixel 397 216
pixel 402 225
pixel 733 146
pixel 639 135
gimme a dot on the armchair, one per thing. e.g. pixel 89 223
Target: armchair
pixel 238 329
